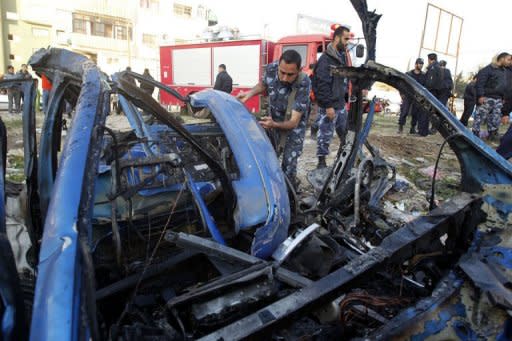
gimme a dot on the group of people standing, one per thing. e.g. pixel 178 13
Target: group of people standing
pixel 487 97
pixel 438 80
pixel 15 91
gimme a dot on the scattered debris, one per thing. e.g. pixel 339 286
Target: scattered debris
pixel 429 171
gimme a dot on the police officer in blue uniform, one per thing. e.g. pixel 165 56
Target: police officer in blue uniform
pixel 288 95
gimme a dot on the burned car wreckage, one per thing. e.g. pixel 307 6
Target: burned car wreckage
pixel 190 231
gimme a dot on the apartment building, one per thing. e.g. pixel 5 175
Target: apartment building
pixel 114 33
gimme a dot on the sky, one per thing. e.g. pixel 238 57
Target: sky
pixel 484 28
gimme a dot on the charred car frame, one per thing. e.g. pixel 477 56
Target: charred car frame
pixel 189 231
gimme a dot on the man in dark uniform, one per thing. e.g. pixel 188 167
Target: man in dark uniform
pixel 434 77
pixel 223 82
pixel 130 78
pixel 407 106
pixel 434 84
pixel 446 90
pixel 288 95
pixel 469 101
pixel 505 147
pixel 147 87
pixel 507 100
pixel 330 94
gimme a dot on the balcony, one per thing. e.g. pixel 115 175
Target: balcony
pixel 97 43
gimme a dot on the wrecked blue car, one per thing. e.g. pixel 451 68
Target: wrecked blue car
pixel 178 231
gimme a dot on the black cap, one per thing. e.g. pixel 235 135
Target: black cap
pixel 419 61
pixel 432 56
pixel 442 63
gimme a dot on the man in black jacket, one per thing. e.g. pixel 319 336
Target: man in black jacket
pixel 147 87
pixel 446 90
pixel 434 83
pixel 330 93
pixel 505 147
pixel 469 101
pixel 507 105
pixel 407 106
pixel 491 85
pixel 223 82
pixel 129 78
pixel 434 78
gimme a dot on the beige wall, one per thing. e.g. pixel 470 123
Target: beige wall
pixel 26 36
pixel 35 16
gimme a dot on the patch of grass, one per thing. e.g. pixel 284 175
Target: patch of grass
pixel 447 188
pixel 14 123
pixel 15 161
pixel 19 177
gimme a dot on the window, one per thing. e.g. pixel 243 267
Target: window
pixel 80 23
pixel 111 60
pixel 301 49
pixel 149 39
pixel 98 29
pixel 150 4
pixel 40 32
pixel 109 33
pixel 102 26
pixel 10 36
pixel 121 33
pixel 11 15
pixel 183 10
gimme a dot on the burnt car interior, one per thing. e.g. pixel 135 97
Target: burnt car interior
pixel 143 233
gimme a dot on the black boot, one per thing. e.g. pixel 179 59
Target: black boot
pixel 493 136
pixel 400 129
pixel 321 162
pixel 314 130
pixel 413 131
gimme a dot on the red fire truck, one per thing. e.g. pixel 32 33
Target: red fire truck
pixel 190 68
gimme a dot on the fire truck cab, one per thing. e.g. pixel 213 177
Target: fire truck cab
pixel 189 68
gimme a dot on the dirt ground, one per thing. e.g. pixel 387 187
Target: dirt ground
pixel 413 157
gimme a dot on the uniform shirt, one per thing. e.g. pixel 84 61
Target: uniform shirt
pixel 278 95
pixel 418 77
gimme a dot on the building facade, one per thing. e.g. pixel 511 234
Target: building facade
pixel 113 33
